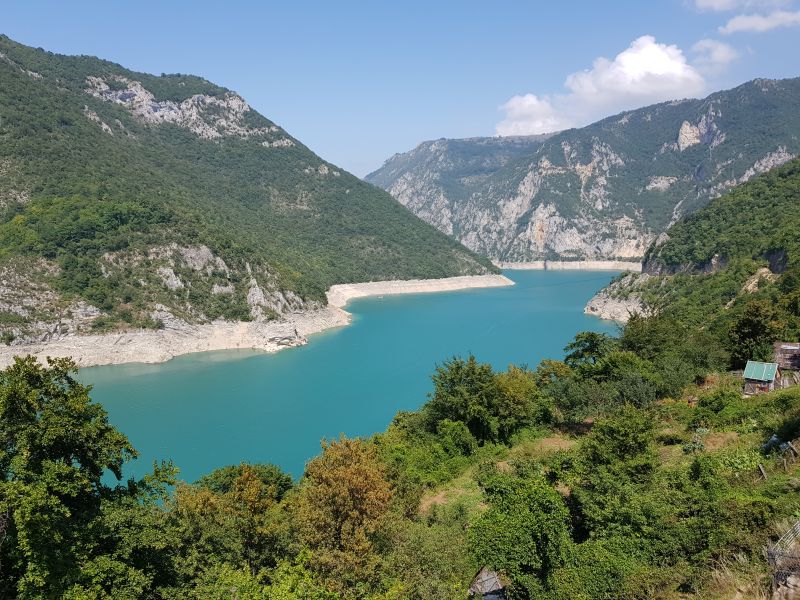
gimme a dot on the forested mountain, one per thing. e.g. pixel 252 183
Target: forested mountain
pixel 732 267
pixel 121 192
pixel 633 468
pixel 605 191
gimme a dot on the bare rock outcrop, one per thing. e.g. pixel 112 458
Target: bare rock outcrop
pixel 620 300
pixel 207 116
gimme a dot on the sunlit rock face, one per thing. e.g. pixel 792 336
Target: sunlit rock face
pixel 602 192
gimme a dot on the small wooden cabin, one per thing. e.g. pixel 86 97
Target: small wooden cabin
pixel 487 586
pixel 787 355
pixel 760 377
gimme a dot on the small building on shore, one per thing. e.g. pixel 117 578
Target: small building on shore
pixel 761 377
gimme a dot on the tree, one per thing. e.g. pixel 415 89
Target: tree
pixel 294 581
pixel 754 332
pixel 524 533
pixel 466 391
pixel 520 403
pixel 223 582
pixel 243 525
pixel 56 445
pixel 550 371
pixel 616 464
pixel 587 348
pixel 343 504
pixel 430 559
pixel 622 443
pixel 223 480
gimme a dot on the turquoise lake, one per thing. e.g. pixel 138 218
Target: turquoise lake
pixel 208 410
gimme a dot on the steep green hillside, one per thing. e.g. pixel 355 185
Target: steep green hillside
pixel 124 191
pixel 605 191
pixel 759 220
pixel 732 268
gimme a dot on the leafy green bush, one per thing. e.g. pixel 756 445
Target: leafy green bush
pixel 524 533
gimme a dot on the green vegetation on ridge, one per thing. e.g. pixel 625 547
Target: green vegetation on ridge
pixel 95 202
pixel 732 269
pixel 626 470
pixel 629 469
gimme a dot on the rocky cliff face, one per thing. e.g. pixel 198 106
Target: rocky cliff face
pixel 605 191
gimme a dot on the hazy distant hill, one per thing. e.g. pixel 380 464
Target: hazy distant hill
pixel 604 191
pixel 122 193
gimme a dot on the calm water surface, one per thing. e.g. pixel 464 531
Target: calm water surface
pixel 211 409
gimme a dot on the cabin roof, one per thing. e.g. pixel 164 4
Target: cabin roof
pixel 787 355
pixel 760 371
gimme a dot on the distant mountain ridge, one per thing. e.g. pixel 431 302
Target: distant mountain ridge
pixel 127 199
pixel 601 192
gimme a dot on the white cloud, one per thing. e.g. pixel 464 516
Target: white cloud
pixel 712 56
pixel 644 73
pixel 530 114
pixel 723 5
pixel 761 23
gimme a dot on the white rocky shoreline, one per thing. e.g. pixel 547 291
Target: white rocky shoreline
pixel 572 265
pixel 179 337
pixel 620 300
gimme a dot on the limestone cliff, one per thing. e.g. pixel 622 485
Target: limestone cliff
pixel 605 191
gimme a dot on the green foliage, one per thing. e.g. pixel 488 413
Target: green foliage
pixel 465 391
pixel 491 406
pixel 342 509
pixel 577 398
pixel 608 568
pixel 223 582
pixel 294 581
pixel 223 480
pixel 607 518
pixel 587 348
pixel 418 460
pixel 615 462
pixel 524 533
pixel 727 277
pixel 754 221
pixel 753 333
pixel 142 186
pixel 429 561
pixel 456 438
pixel 57 446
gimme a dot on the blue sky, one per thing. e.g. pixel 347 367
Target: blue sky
pixel 359 81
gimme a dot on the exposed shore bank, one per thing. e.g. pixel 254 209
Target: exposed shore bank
pixel 572 265
pixel 154 346
pixel 340 295
pixel 618 301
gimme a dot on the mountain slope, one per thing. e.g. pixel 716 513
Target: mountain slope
pixel 738 256
pixel 460 168
pixel 607 190
pixel 123 194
